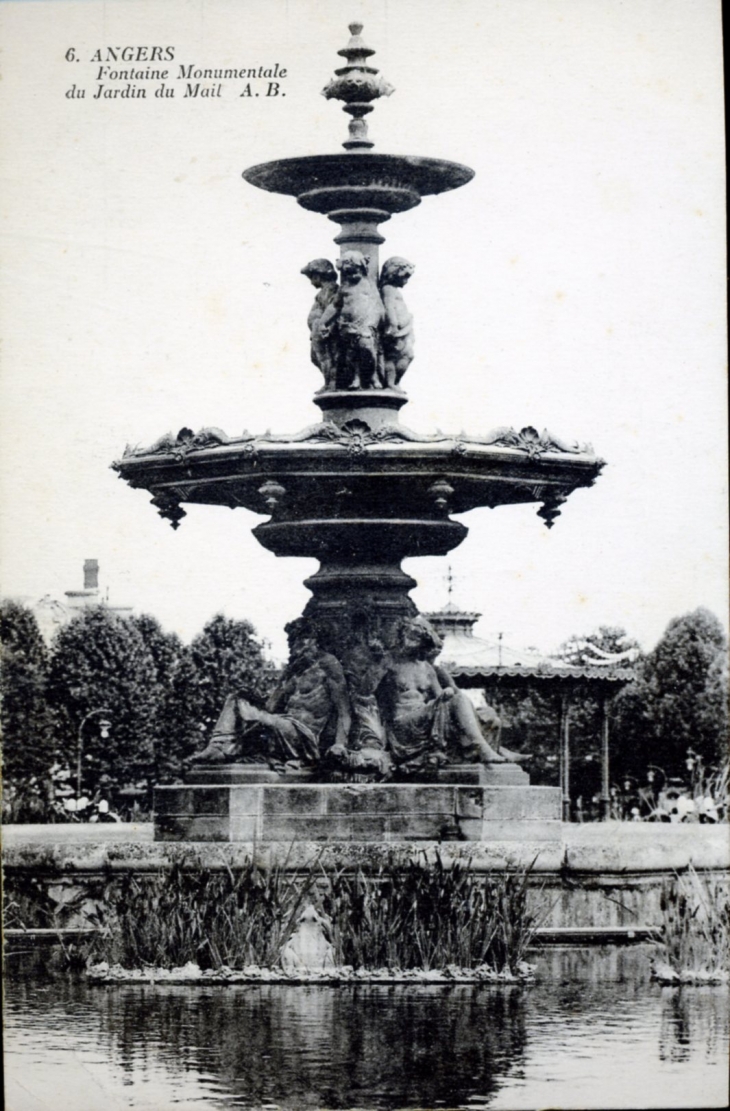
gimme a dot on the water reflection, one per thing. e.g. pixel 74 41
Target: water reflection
pixel 300 1047
pixel 379 1047
pixel 690 1018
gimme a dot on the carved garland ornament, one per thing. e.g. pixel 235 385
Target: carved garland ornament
pixel 356 435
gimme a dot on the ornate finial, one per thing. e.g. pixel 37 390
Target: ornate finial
pixel 355 29
pixel 357 84
pixel 450 581
pixel 551 507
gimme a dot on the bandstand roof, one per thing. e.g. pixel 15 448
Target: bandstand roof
pixel 471 660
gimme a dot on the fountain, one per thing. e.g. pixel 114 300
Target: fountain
pixel 365 738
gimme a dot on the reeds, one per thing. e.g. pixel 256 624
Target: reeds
pixel 428 916
pixel 418 915
pixel 415 914
pixel 225 918
pixel 695 939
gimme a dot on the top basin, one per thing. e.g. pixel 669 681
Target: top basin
pixel 398 180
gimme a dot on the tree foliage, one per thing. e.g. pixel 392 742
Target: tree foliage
pixel 159 696
pixel 175 733
pixel 608 641
pixel 226 659
pixel 162 697
pixel 679 699
pixel 24 715
pixel 101 662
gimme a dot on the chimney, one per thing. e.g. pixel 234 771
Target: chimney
pixel 91 574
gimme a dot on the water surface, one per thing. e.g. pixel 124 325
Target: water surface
pixel 593 1032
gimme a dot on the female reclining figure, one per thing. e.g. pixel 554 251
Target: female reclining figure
pixel 430 721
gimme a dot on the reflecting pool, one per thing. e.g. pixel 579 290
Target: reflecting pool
pixel 591 1032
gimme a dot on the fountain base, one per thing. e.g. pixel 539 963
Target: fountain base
pixel 462 775
pixel 251 810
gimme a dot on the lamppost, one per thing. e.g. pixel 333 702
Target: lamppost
pixel 104 727
pixel 656 779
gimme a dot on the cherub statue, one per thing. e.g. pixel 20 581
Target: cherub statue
pixel 430 721
pixel 323 277
pixel 398 326
pixel 356 325
pixel 308 711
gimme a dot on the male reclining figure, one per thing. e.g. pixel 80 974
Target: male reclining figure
pixel 308 712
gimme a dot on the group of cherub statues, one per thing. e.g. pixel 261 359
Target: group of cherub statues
pixel 388 711
pixel 361 331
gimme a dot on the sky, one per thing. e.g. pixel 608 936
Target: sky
pixel 576 284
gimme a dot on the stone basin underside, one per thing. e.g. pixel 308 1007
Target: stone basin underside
pixel 355 491
pixel 360 496
pixel 346 186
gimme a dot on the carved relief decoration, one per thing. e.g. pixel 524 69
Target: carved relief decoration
pixel 355 435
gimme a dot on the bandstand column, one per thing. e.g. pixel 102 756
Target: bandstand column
pixel 565 756
pixel 605 804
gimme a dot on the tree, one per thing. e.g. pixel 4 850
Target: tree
pixel 159 696
pixel 101 662
pixel 26 723
pixel 679 700
pixel 610 645
pixel 176 732
pixel 226 659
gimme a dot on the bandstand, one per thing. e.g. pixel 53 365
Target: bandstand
pixel 479 664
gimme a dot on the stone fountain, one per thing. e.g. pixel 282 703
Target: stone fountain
pixel 365 738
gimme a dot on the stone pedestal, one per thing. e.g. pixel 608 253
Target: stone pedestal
pixel 246 810
pixel 462 775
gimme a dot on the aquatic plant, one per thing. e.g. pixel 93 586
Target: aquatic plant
pixel 212 919
pixel 695 941
pixel 428 916
pixel 419 915
pixel 28 905
pixel 416 914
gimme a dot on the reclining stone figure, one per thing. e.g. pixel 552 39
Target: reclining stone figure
pixel 308 712
pixel 430 721
pixel 491 726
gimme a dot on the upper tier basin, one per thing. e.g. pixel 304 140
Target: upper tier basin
pixel 387 182
pixel 340 473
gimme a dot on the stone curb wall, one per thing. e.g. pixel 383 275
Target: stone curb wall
pixel 609 849
pixel 592 877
